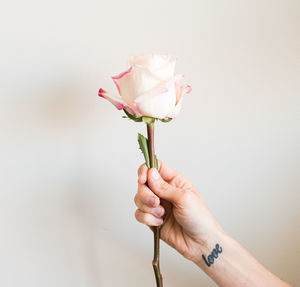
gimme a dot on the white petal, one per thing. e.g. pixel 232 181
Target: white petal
pixel 180 91
pixel 135 82
pixel 158 102
pixel 165 72
pixel 175 111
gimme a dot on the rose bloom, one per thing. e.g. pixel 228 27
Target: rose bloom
pixel 149 87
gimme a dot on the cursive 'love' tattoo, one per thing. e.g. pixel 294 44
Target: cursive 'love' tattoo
pixel 213 255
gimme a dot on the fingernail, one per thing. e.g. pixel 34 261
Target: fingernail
pixel 155 174
pixel 158 211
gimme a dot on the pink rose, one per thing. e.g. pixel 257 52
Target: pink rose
pixel 149 87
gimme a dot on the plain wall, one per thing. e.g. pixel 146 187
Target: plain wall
pixel 68 161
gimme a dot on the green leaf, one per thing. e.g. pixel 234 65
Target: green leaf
pixel 143 143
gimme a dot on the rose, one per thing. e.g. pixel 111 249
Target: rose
pixel 149 87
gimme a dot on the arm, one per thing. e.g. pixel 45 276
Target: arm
pixel 190 228
pixel 229 264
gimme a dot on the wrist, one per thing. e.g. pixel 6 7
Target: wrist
pixel 210 248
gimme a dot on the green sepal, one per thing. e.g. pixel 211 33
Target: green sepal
pixel 166 120
pixel 148 120
pixel 130 116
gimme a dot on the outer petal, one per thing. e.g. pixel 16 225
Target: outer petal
pixel 151 61
pixel 180 91
pixel 134 82
pixel 116 101
pixel 158 102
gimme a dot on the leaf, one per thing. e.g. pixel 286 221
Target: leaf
pixel 143 143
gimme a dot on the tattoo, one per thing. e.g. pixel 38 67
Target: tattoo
pixel 213 255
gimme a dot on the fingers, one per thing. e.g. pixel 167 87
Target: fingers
pixel 142 174
pixel 146 197
pixel 147 218
pixel 161 188
pixel 148 202
pixel 166 172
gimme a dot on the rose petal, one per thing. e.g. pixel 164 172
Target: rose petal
pixel 116 101
pixel 161 66
pixel 134 82
pixel 158 102
pixel 173 114
pixel 180 91
pixel 166 72
pixel 119 77
pixel 151 61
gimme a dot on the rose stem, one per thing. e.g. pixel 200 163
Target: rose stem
pixel 155 261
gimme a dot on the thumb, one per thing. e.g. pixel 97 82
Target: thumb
pixel 160 187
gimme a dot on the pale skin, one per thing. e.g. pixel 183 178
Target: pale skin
pixel 191 229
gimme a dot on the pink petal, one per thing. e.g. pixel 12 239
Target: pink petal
pixel 120 76
pixel 134 82
pixel 116 101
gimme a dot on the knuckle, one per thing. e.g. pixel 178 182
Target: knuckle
pixel 186 196
pixel 179 181
pixel 164 186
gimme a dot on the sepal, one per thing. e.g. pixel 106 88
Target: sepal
pixel 148 120
pixel 131 117
pixel 166 120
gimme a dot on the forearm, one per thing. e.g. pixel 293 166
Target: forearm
pixel 230 265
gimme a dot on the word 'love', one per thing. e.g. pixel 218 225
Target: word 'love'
pixel 213 255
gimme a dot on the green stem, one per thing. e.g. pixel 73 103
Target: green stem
pixel 156 230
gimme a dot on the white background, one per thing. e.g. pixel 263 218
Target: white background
pixel 68 160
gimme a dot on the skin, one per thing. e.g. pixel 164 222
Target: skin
pixel 167 197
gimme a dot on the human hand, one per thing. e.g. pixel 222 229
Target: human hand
pixel 187 224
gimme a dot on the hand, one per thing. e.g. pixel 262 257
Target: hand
pixel 187 224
